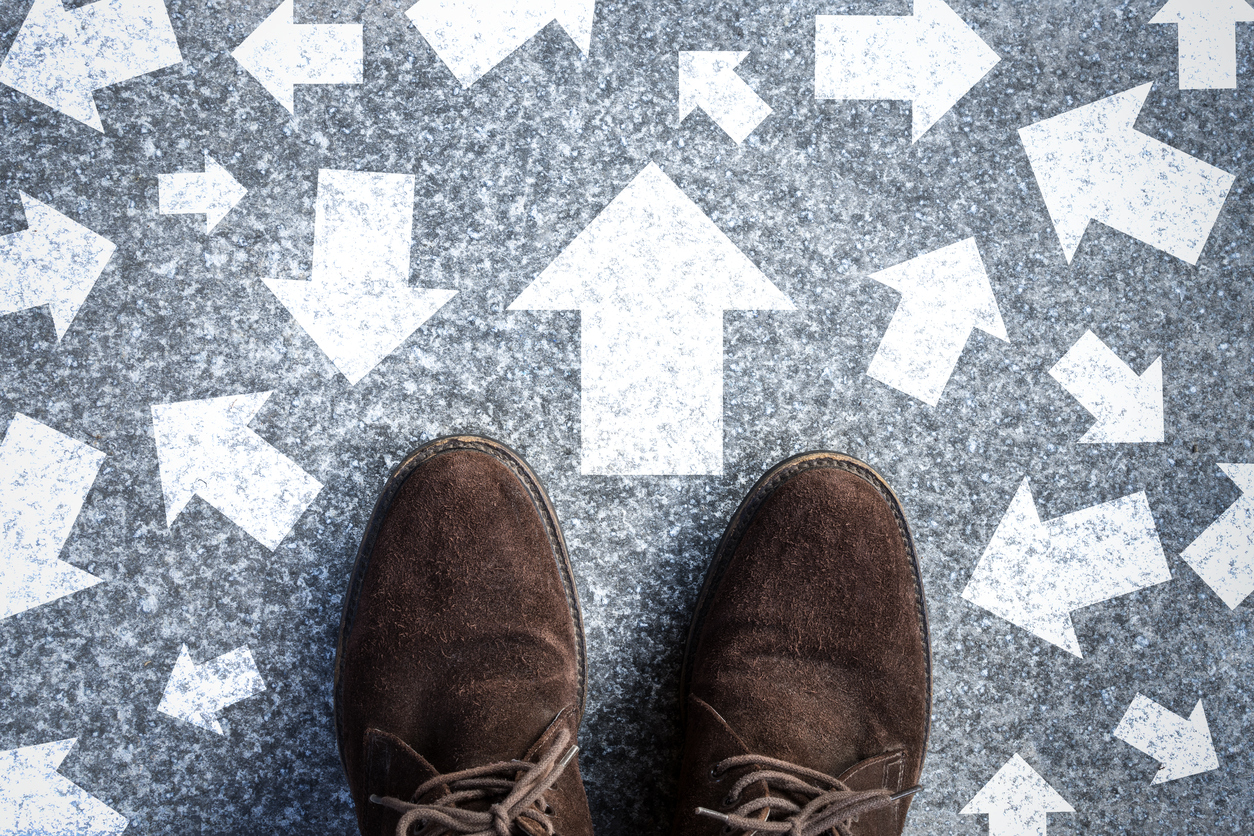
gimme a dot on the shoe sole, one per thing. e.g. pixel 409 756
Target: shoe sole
pixel 383 505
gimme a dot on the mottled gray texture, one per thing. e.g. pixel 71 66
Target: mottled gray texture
pixel 508 171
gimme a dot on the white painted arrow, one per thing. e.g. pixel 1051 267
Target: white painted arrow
pixel 281 54
pixel 652 276
pixel 60 57
pixel 1035 574
pixel 213 193
pixel 358 306
pixel 205 449
pixel 1207 40
pixel 198 693
pixel 1183 747
pixel 708 80
pixel 1128 408
pixel 53 262
pixel 1016 801
pixel 473 36
pixel 1092 164
pixel 1223 554
pixel 34 799
pixel 44 478
pixel 931 59
pixel 944 295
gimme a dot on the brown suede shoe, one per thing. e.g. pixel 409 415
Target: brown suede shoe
pixel 460 672
pixel 807 677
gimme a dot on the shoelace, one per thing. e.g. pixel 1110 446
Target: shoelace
pixel 829 805
pixel 520 786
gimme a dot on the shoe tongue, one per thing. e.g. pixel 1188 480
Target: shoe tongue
pixel 392 769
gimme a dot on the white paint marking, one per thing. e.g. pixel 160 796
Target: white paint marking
pixel 652 276
pixel 1223 554
pixel 198 693
pixel 931 58
pixel 1183 747
pixel 1128 408
pixel 944 295
pixel 212 193
pixel 358 306
pixel 1207 40
pixel 1016 801
pixel 1092 164
pixel 281 54
pixel 60 57
pixel 1036 574
pixel 34 799
pixel 473 36
pixel 708 80
pixel 205 449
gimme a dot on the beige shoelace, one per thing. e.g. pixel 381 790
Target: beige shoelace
pixel 827 804
pixel 520 786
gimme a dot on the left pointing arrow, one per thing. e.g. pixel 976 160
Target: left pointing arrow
pixel 212 193
pixel 34 799
pixel 198 693
pixel 708 80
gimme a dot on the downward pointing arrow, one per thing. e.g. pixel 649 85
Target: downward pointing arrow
pixel 1207 40
pixel 1092 164
pixel 1182 746
pixel 213 193
pixel 931 59
pixel 34 799
pixel 1223 554
pixel 708 80
pixel 1016 800
pixel 1128 408
pixel 197 693
pixel 944 295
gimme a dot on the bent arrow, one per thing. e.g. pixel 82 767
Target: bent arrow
pixel 1223 554
pixel 1128 408
pixel 35 799
pixel 652 276
pixel 708 80
pixel 213 193
pixel 1016 800
pixel 1207 40
pixel 198 693
pixel 931 59
pixel 1183 747
pixel 1092 164
pixel 1035 574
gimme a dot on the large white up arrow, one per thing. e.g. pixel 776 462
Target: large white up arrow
pixel 1207 40
pixel 652 276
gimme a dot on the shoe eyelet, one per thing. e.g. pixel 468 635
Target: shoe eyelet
pixel 730 800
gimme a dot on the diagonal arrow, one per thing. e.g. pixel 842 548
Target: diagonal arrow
pixel 1223 554
pixel 34 799
pixel 1092 164
pixel 708 80
pixel 1128 408
pixel 358 306
pixel 212 193
pixel 1183 747
pixel 652 276
pixel 1036 574
pixel 931 58
pixel 60 57
pixel 473 36
pixel 205 449
pixel 53 262
pixel 44 478
pixel 945 294
pixel 281 54
pixel 1207 38
pixel 198 693
pixel 1016 801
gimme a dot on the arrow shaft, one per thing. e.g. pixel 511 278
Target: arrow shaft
pixel 1208 56
pixel 184 193
pixel 865 57
pixel 1017 822
pixel 325 54
pixel 920 349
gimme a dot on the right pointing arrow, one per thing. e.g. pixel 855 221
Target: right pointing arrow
pixel 1183 747
pixel 708 80
pixel 1016 800
pixel 1128 408
pixel 1207 40
pixel 1092 164
pixel 212 193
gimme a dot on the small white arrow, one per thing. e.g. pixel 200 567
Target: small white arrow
pixel 1092 164
pixel 44 478
pixel 944 295
pixel 205 449
pixel 1207 40
pixel 473 36
pixel 60 57
pixel 652 276
pixel 1035 574
pixel 213 193
pixel 1128 408
pixel 34 799
pixel 1183 747
pixel 53 262
pixel 931 59
pixel 358 306
pixel 1016 801
pixel 1223 554
pixel 281 54
pixel 198 693
pixel 708 80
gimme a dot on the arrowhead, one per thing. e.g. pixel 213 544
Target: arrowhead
pixel 1140 418
pixel 1192 751
pixel 698 76
pixel 266 52
pixel 953 281
pixel 48 62
pixel 1016 792
pixel 35 799
pixel 1183 747
pixel 1195 11
pixel 956 61
pixel 184 696
pixel 1242 475
pixel 225 190
pixel 576 16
